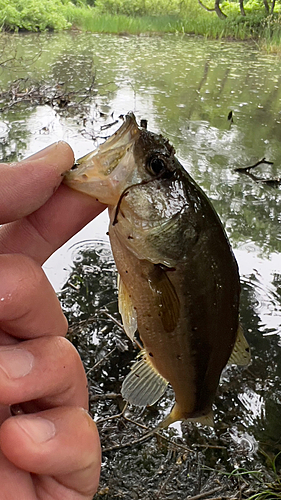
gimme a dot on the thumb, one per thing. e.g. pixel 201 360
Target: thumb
pixel 27 185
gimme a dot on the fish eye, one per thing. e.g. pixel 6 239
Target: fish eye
pixel 155 165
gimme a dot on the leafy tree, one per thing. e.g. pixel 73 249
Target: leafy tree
pixel 216 9
pixel 32 15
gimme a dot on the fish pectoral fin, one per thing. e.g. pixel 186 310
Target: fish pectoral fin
pixel 126 309
pixel 143 385
pixel 240 355
pixel 166 297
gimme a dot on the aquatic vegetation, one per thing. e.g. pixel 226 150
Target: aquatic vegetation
pixel 271 490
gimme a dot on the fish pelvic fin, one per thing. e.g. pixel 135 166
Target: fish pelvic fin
pixel 177 414
pixel 143 385
pixel 126 309
pixel 240 355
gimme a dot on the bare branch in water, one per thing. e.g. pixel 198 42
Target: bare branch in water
pixel 259 162
pixel 104 397
pixel 246 171
pixel 205 494
pixel 101 361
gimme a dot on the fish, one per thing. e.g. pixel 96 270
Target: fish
pixel 178 280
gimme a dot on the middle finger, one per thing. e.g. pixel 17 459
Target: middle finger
pixel 46 371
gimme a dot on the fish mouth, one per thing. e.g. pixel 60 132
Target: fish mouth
pixel 97 173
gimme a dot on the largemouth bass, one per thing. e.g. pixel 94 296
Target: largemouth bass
pixel 178 278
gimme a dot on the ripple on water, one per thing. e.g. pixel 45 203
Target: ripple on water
pixel 85 247
pixel 245 442
pixel 265 300
pixel 4 130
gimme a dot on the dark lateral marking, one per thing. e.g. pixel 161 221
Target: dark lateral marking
pixel 130 237
pixel 115 220
pixel 150 354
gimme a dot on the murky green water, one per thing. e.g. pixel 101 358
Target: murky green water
pixel 185 87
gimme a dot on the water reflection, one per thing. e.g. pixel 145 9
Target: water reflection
pixel 186 88
pixel 247 406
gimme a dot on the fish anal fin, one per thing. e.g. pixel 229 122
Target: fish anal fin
pixel 166 297
pixel 240 355
pixel 143 385
pixel 126 309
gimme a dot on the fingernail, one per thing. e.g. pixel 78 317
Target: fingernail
pixel 15 362
pixel 60 153
pixel 38 429
pixel 42 153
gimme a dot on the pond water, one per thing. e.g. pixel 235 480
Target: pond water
pixel 186 88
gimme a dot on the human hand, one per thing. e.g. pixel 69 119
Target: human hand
pixel 52 450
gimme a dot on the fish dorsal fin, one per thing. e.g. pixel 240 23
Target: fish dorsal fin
pixel 143 385
pixel 165 296
pixel 126 309
pixel 241 351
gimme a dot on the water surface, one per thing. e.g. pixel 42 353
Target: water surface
pixel 185 87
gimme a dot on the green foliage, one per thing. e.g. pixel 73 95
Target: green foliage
pixel 139 7
pixel 140 16
pixel 33 15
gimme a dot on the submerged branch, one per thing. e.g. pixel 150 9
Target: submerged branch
pixel 104 397
pixel 259 162
pixel 246 171
pixel 204 494
pixel 101 361
pixel 56 95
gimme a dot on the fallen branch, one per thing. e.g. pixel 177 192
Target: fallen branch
pixel 101 361
pixel 259 162
pixel 268 182
pixel 204 494
pixel 104 397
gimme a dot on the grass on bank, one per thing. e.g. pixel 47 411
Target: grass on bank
pixel 264 30
pixel 144 16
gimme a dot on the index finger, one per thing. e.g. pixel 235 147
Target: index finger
pixel 27 185
pixel 42 220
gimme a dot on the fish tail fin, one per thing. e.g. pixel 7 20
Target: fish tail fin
pixel 176 415
pixel 207 419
